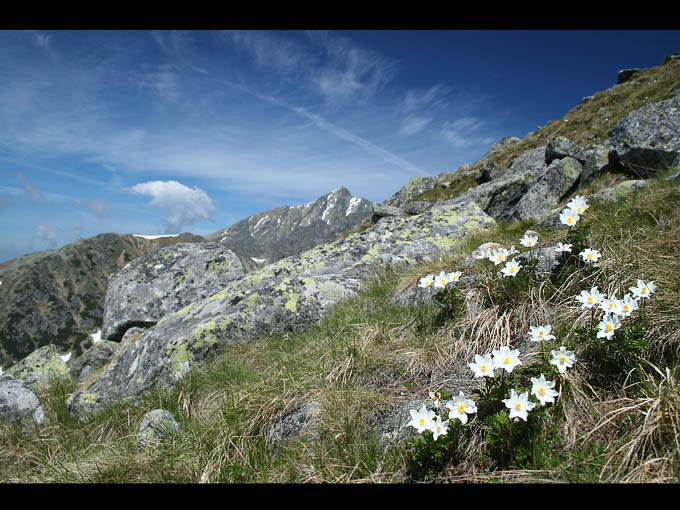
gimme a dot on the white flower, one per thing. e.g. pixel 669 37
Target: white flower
pixel 628 305
pixel 460 407
pixel 511 268
pixel 528 240
pixel 519 405
pixel 454 277
pixel 543 390
pixel 441 280
pixel 506 358
pixel 66 357
pixel 589 255
pixel 643 290
pixel 589 299
pixel 569 217
pixel 422 419
pixel 483 366
pixel 439 427
pixel 611 305
pixel 562 359
pixel 499 256
pixel 538 333
pixel 436 400
pixel 608 325
pixel 578 204
pixel 563 247
pixel 426 281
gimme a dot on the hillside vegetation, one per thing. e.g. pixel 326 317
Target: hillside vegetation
pixel 333 403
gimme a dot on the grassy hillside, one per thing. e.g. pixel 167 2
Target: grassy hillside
pixel 615 420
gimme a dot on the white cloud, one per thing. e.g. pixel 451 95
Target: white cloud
pixel 186 205
pixel 99 207
pixel 47 233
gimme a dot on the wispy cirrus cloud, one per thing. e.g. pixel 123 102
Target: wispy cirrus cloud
pixel 418 107
pixel 465 132
pixel 335 68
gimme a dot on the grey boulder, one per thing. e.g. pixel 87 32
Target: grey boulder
pixel 165 281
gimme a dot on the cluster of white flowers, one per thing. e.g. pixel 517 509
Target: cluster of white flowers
pixel 572 213
pixel 613 307
pixel 440 281
pixel 434 421
pixel 507 359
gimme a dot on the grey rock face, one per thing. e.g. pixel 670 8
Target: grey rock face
pixel 411 189
pixel 272 235
pixel 39 367
pixel 290 294
pixel 499 197
pixel 418 207
pixel 57 296
pixel 300 422
pixel 18 402
pixel 92 359
pixel 156 426
pixel 165 281
pixel 382 211
pixel 560 147
pixel 551 187
pixel 647 140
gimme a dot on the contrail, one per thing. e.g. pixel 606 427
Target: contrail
pixel 339 132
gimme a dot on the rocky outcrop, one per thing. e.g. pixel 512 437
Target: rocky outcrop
pixel 290 294
pixel 271 235
pixel 56 297
pixel 646 140
pixel 156 426
pixel 42 366
pixel 165 281
pixel 19 403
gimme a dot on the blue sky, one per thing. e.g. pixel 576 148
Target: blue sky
pixel 161 132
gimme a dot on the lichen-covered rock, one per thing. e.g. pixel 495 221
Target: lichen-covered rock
pixel 560 147
pixel 618 192
pixel 418 207
pixel 301 422
pixel 18 402
pixel 94 358
pixel 271 235
pixel 597 161
pixel 290 294
pixel 647 140
pixel 156 426
pixel 498 197
pixel 549 189
pixel 165 281
pixel 383 211
pixel 40 367
pixel 411 190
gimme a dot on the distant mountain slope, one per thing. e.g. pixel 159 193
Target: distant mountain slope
pixel 57 296
pixel 271 235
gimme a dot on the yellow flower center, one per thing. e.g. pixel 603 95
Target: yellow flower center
pixel 506 360
pixel 512 269
pixel 540 333
pixel 422 421
pixel 626 308
pixel 563 359
pixel 483 368
pixel 590 299
pixel 589 255
pixel 644 290
pixel 570 220
pixel 461 408
pixel 541 390
pixel 609 327
pixel 518 406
